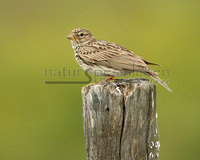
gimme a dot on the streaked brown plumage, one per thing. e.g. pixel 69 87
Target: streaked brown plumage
pixel 107 59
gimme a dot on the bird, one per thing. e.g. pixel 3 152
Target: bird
pixel 103 58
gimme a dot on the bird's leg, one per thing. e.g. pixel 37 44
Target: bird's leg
pixel 110 78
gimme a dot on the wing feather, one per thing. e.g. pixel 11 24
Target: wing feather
pixel 112 55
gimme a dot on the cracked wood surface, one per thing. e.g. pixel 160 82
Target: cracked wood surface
pixel 120 120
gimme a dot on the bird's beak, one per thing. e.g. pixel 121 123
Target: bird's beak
pixel 70 37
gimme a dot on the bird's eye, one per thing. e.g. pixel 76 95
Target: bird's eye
pixel 81 34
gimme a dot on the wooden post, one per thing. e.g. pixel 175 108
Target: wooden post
pixel 120 120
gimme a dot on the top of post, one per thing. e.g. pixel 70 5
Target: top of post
pixel 119 85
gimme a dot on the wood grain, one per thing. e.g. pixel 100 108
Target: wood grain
pixel 120 120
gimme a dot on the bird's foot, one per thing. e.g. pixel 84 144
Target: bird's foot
pixel 110 78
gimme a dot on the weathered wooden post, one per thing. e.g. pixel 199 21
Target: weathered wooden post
pixel 120 120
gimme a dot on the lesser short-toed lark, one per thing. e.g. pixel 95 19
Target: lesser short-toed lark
pixel 104 58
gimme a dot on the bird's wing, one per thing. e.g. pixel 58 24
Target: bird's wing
pixel 112 55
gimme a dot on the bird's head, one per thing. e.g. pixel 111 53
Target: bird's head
pixel 80 36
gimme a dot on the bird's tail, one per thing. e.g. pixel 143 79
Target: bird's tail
pixel 155 77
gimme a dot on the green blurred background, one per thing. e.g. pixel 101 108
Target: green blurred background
pixel 44 122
